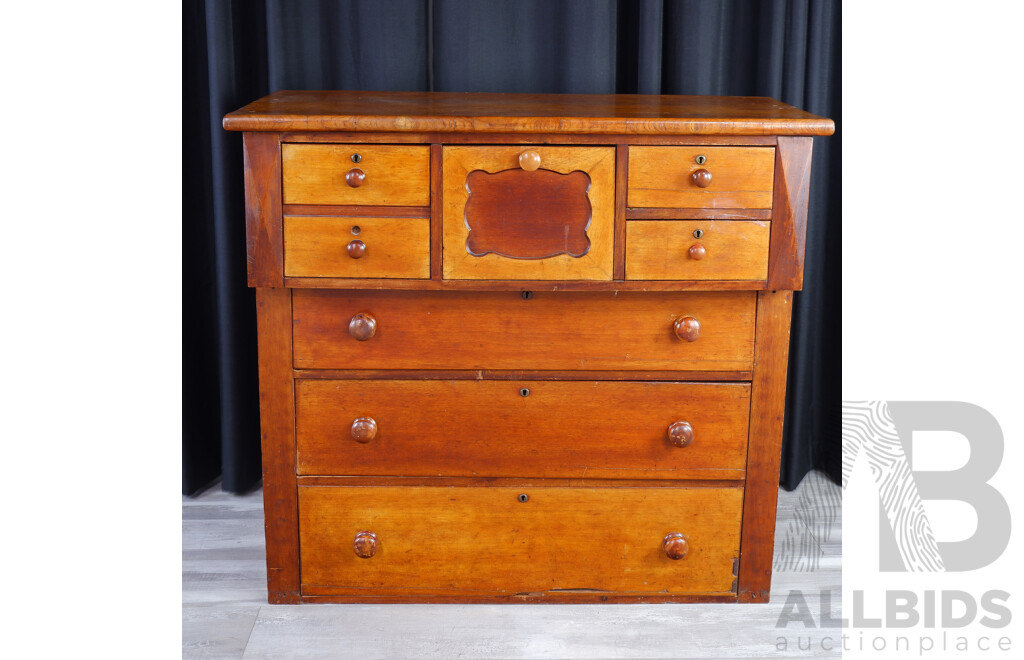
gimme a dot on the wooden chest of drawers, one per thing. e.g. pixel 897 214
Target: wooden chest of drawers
pixel 522 348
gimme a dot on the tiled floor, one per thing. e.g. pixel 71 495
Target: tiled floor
pixel 225 614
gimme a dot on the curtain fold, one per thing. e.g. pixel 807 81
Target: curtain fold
pixel 235 52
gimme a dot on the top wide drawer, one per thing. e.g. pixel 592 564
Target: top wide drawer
pixel 584 331
pixel 701 177
pixel 356 174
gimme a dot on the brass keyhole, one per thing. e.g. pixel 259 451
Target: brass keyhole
pixel 527 295
pixel 356 158
pixel 523 498
pixel 524 392
pixel 701 159
pixel 697 233
pixel 355 230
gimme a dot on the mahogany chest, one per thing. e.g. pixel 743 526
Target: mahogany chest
pixel 522 348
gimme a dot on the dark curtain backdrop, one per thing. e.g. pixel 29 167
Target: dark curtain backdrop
pixel 235 52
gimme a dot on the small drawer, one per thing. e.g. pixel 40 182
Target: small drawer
pixel 524 541
pixel 701 177
pixel 671 250
pixel 528 212
pixel 318 246
pixel 358 174
pixel 672 331
pixel 522 428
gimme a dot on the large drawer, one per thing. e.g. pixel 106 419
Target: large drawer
pixel 701 177
pixel 503 541
pixel 498 428
pixel 674 331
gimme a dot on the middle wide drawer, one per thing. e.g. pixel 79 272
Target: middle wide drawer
pixel 522 428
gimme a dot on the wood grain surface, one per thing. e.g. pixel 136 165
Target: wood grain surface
pixel 349 211
pixel 444 137
pixel 485 330
pixel 559 429
pixel 525 285
pixel 635 114
pixel 262 174
pixel 621 171
pixel 395 175
pixel 598 163
pixel 696 214
pixel 436 211
pixel 517 374
pixel 741 177
pixel 277 428
pixel 512 482
pixel 315 246
pixel 789 213
pixel 764 450
pixel 488 540
pixel 733 250
pixel 527 214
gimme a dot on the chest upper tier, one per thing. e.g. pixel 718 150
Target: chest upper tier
pixel 430 190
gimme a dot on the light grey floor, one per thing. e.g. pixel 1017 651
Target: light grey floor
pixel 225 614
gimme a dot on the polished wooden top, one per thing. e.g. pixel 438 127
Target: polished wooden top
pixel 524 113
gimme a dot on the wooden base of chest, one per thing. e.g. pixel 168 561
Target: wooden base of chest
pixel 539 485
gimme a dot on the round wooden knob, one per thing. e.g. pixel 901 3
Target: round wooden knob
pixel 362 326
pixel 529 160
pixel 365 544
pixel 680 434
pixel 701 178
pixel 357 249
pixel 687 328
pixel 697 251
pixel 355 177
pixel 675 545
pixel 364 429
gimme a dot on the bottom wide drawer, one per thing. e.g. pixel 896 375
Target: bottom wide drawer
pixel 505 541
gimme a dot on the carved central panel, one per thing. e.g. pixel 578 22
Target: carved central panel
pixel 527 215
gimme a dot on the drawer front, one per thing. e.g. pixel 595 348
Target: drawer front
pixel 329 174
pixel 318 246
pixel 504 222
pixel 669 250
pixel 663 177
pixel 489 428
pixel 485 540
pixel 502 330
